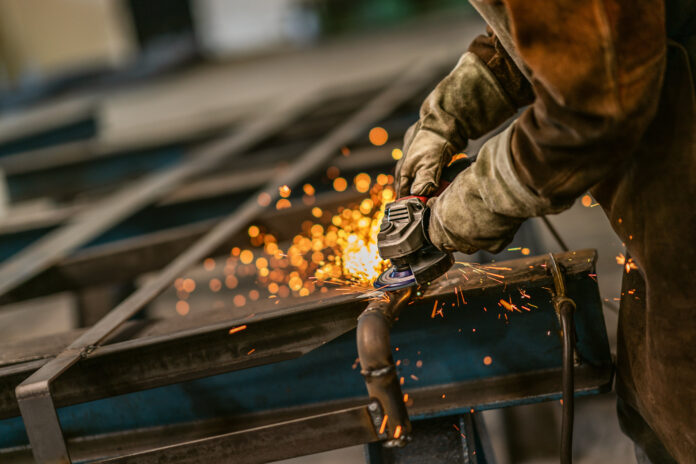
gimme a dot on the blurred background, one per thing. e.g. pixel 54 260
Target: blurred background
pixel 97 94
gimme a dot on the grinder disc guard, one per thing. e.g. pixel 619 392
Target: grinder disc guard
pixel 424 266
pixel 403 240
pixel 393 279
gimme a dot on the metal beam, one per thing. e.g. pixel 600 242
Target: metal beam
pixel 131 198
pixel 178 354
pixel 331 430
pixel 193 353
pixel 202 347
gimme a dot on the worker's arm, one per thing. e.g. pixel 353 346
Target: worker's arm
pixel 483 90
pixel 596 69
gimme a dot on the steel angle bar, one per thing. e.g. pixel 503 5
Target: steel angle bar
pixel 34 394
pixel 314 434
pixel 101 216
pixel 141 363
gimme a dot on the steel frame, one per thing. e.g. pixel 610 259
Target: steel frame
pixel 278 334
pixel 109 369
pixel 34 395
pixel 107 360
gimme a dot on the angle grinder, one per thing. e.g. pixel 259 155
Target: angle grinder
pixel 403 239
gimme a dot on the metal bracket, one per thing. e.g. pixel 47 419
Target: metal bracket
pixel 560 298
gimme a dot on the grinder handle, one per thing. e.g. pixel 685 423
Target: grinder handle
pixel 450 172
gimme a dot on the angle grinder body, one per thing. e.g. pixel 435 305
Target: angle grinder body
pixel 403 239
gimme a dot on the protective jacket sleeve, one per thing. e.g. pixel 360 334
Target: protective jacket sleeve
pixel 595 69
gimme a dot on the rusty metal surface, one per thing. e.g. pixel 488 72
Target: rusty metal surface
pixel 83 384
pixel 138 363
pixel 377 363
pixel 427 402
pixel 331 430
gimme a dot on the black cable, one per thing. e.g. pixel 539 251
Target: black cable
pixel 555 234
pixel 568 328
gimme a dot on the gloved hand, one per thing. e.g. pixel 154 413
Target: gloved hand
pixel 466 104
pixel 485 204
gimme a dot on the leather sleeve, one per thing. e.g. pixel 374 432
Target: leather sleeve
pixel 491 52
pixel 596 71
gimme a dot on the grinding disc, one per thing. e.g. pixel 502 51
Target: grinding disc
pixel 392 279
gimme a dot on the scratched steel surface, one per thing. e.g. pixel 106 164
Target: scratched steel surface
pixel 449 349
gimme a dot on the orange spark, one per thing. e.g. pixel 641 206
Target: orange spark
pixel 239 328
pixel 432 316
pixel 457 157
pixel 506 305
pixel 384 424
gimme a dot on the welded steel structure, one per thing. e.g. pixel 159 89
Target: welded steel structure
pixel 186 390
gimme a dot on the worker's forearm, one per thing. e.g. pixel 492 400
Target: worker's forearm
pixel 491 52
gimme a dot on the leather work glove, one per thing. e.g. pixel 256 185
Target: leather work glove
pixel 485 204
pixel 465 105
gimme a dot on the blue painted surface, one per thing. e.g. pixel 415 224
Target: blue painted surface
pixel 448 347
pixel 97 173
pixel 82 129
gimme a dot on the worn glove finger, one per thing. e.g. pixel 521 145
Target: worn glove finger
pixel 408 139
pixel 419 174
pixel 410 135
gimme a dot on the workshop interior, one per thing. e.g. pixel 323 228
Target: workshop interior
pixel 222 242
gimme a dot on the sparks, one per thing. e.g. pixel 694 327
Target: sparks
pixel 508 305
pixel 239 328
pixel 384 424
pixel 628 264
pixel 435 311
pixel 456 158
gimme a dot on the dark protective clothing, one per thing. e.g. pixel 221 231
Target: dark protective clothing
pixel 612 110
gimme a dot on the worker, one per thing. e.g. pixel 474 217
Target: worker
pixel 610 108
